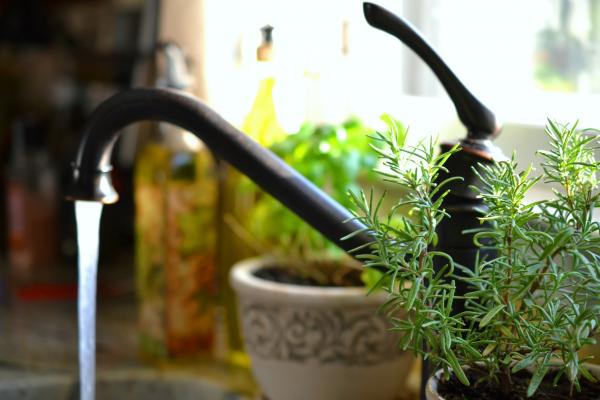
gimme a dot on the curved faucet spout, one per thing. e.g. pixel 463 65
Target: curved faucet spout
pixel 91 170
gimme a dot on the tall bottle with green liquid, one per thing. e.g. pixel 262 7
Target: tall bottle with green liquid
pixel 239 196
pixel 176 195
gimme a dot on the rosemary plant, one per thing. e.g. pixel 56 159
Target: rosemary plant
pixel 534 304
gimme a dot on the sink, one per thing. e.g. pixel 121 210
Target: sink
pixel 120 384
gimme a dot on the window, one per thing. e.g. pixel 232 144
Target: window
pixel 527 60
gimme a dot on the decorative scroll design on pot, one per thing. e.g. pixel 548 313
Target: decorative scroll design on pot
pixel 354 336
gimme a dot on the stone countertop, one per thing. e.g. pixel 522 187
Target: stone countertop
pixel 43 334
pixel 129 383
pixel 38 316
pixel 39 345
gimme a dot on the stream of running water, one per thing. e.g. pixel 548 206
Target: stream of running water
pixel 87 216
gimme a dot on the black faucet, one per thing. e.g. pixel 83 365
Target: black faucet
pixel 90 178
pixel 91 181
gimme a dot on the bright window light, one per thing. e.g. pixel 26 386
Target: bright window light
pixel 526 60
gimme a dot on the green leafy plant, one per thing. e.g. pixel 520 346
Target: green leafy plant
pixel 333 157
pixel 534 304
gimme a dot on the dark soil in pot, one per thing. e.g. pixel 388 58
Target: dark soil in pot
pixel 346 277
pixel 483 389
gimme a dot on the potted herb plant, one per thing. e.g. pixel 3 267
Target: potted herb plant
pixel 530 307
pixel 308 326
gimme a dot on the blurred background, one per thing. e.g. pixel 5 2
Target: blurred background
pixel 59 59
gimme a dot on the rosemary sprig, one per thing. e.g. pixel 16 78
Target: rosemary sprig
pixel 533 305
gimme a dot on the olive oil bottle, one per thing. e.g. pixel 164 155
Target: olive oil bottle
pixel 239 195
pixel 176 194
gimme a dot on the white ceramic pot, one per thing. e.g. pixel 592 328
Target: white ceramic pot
pixel 317 343
pixel 431 390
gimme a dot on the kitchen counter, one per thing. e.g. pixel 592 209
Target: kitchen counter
pixel 39 336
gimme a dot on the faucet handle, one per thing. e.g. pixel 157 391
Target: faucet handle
pixel 479 120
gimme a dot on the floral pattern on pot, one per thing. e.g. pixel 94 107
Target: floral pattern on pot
pixel 354 337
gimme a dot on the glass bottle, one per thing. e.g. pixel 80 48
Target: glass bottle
pixel 31 203
pixel 239 195
pixel 176 194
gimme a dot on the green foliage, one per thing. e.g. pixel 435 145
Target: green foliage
pixel 334 158
pixel 532 306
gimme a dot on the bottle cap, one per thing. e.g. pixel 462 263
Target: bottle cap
pixel 264 52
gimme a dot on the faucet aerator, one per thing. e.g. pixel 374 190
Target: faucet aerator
pixel 91 186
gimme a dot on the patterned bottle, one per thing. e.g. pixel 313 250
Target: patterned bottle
pixel 176 193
